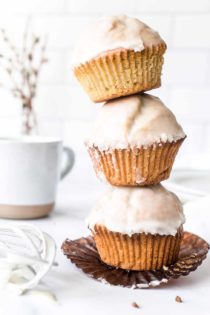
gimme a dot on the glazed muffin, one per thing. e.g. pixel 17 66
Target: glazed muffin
pixel 134 141
pixel 138 228
pixel 118 56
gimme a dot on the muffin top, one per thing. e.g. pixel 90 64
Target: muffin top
pixel 151 209
pixel 133 121
pixel 114 32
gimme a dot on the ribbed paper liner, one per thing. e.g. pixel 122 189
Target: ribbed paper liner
pixel 83 253
pixel 121 72
pixel 138 251
pixel 137 166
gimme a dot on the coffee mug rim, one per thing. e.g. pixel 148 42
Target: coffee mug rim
pixel 29 139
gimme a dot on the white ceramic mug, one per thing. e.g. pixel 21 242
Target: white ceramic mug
pixel 30 169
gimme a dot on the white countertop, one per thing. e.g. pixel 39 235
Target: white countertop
pixel 77 294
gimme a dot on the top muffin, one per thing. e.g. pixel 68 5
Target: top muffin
pixel 114 32
pixel 116 56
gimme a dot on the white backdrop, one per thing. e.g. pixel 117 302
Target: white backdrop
pixel 64 109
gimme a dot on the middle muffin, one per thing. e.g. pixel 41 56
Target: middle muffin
pixel 134 141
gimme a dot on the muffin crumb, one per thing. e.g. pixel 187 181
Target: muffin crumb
pixel 135 305
pixel 178 299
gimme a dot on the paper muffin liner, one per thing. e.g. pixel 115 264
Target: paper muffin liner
pixel 135 166
pixel 83 253
pixel 138 251
pixel 121 72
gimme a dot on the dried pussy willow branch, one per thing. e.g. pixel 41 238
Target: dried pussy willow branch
pixel 22 67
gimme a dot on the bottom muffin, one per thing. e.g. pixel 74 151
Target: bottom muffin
pixel 138 228
pixel 139 251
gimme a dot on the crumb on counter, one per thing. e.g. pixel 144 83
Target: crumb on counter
pixel 134 304
pixel 178 299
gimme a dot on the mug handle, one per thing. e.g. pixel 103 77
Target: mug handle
pixel 69 161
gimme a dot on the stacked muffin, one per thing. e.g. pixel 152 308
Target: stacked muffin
pixel 137 224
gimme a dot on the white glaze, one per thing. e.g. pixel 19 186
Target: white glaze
pixel 113 32
pixel 151 209
pixel 134 121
